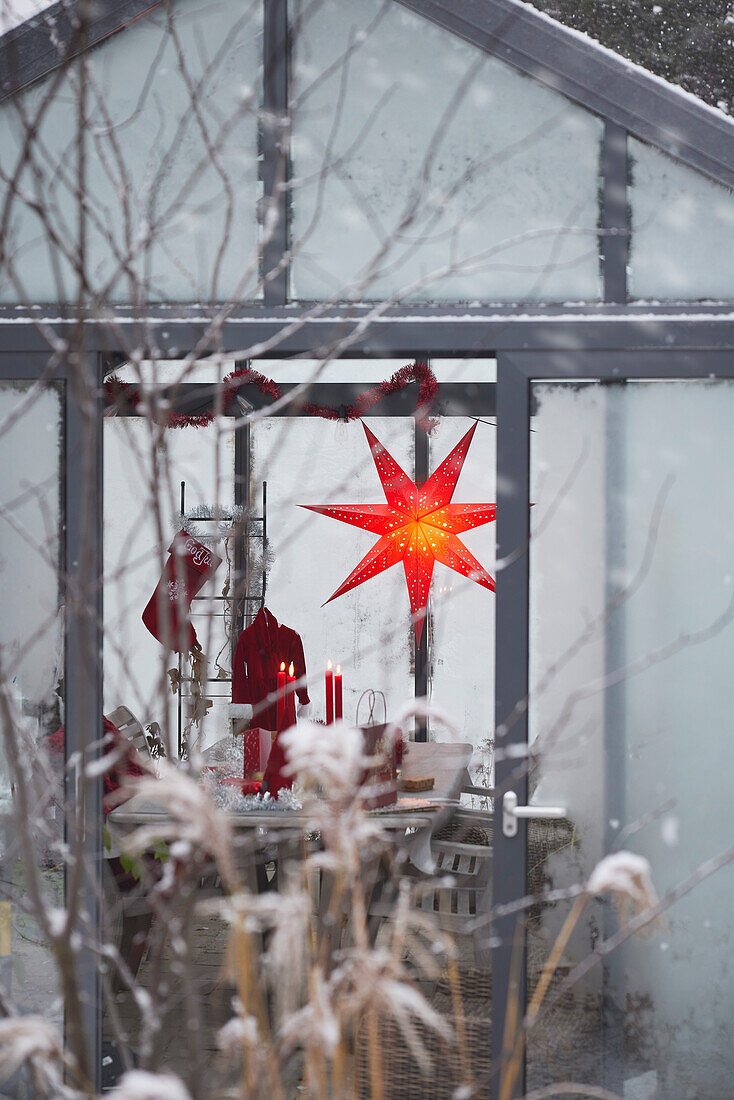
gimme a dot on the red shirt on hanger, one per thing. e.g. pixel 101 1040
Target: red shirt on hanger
pixel 261 648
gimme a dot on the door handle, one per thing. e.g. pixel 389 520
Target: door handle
pixel 511 812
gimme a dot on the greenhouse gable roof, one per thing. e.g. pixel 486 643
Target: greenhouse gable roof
pixel 589 74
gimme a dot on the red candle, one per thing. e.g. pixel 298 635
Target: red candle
pixel 329 694
pixel 338 693
pixel 281 695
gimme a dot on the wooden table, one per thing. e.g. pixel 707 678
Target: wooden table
pixel 416 816
pixel 447 762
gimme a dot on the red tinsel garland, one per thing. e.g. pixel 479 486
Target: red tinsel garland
pixel 414 372
pixel 118 391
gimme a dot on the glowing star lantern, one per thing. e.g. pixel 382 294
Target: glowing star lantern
pixel 418 526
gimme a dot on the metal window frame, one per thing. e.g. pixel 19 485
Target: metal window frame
pixel 516 373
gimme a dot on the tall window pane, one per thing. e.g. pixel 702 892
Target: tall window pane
pixel 426 169
pixel 632 623
pixel 170 173
pixel 31 682
pixel 681 224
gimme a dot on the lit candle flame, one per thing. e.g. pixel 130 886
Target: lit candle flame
pixel 328 664
pixel 291 670
pixel 282 666
pixel 338 670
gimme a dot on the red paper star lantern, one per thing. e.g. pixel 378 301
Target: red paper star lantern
pixel 418 526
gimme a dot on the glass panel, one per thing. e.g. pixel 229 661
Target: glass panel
pixel 681 222
pixel 31 678
pixel 171 165
pixel 425 169
pixel 631 636
pixel 368 630
pixel 462 614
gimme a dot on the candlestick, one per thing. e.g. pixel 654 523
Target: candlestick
pixel 281 695
pixel 329 694
pixel 338 693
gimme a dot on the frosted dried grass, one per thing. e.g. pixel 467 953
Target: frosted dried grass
pixel 238 1033
pixel 286 917
pixel 26 1039
pixel 423 709
pixel 317 1024
pixel 628 878
pixel 377 980
pixel 138 1084
pixel 331 756
pixel 191 815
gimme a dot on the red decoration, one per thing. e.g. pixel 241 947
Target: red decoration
pixel 256 744
pixel 418 526
pixel 262 648
pixel 119 392
pixel 119 757
pixel 291 684
pixel 190 564
pixel 415 372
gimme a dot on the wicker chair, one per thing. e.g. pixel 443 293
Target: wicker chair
pixel 458 1055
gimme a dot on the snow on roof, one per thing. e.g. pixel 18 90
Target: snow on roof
pixel 632 66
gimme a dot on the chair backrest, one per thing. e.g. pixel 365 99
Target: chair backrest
pixel 123 719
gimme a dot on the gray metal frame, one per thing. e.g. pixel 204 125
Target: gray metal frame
pixel 83 692
pixel 516 371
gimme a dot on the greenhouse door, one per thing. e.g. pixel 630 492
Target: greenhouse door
pixel 615 615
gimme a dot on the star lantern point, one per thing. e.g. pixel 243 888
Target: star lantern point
pixel 418 526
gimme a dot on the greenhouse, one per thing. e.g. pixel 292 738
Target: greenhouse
pixel 365 371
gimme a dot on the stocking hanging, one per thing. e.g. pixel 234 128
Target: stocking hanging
pixel 167 614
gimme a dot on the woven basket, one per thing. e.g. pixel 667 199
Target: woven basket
pixel 475 985
pixel 401 1076
pixel 465 833
pixel 462 1057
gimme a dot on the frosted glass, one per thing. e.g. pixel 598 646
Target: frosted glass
pixel 367 631
pixel 367 372
pixel 682 224
pixel 30 625
pixel 631 637
pixel 462 613
pixel 425 169
pixel 32 651
pixel 171 215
